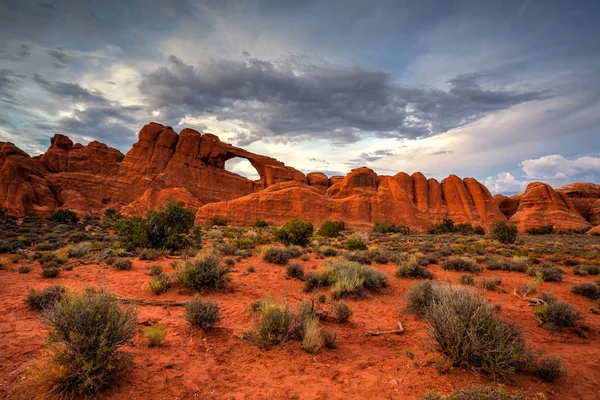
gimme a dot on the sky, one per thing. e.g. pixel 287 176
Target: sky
pixel 505 91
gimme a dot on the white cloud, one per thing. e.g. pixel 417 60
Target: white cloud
pixel 553 169
pixel 556 168
pixel 505 183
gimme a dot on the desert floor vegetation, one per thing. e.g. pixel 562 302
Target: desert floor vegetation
pixel 295 301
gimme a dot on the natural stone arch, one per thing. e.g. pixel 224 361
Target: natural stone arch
pixel 236 165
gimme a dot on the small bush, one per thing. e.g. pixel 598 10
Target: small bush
pixel 467 330
pixel 544 230
pixel 331 228
pixel 312 339
pixel 86 332
pixel 150 255
pixel 122 264
pixel 218 221
pixel 464 229
pixel 342 312
pixel 588 290
pixel 80 250
pixel 295 232
pixel 349 278
pixel 243 243
pixel 273 323
pixel 491 284
pixel 550 368
pixel 25 269
pixel 549 274
pixel 559 314
pixel 461 264
pixel 467 279
pixel 294 270
pixel 276 255
pixel 329 339
pixel 355 243
pixel 50 272
pixel 504 232
pixel 384 227
pixel 259 224
pixel 155 269
pixel 412 269
pixel 519 264
pixel 155 334
pixel 158 283
pixel 202 314
pixel 44 299
pixel 64 216
pixel 205 272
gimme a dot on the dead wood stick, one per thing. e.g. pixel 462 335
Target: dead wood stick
pixel 150 302
pixel 532 301
pixel 396 331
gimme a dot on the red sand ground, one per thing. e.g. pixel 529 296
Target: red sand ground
pixel 220 365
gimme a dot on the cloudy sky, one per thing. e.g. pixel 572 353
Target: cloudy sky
pixel 506 91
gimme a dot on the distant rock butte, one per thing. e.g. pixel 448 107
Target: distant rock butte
pixel 190 166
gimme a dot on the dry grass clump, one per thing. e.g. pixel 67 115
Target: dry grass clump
pixel 155 334
pixel 202 314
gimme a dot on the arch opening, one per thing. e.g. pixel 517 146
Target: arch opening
pixel 242 167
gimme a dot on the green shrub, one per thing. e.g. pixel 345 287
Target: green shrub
pixel 155 269
pixel 412 269
pixel 588 290
pixel 25 269
pixel 64 216
pixel 166 228
pixel 355 243
pixel 294 270
pixel 202 314
pixel 155 334
pixel 112 214
pixel 461 264
pixel 44 299
pixel 295 232
pixel 348 278
pixel 550 368
pixel 420 296
pixel 544 230
pixel 558 314
pixel 158 283
pixel 259 224
pixel 205 272
pixel 464 229
pixel 218 221
pixel 122 264
pixel 86 333
pixel 467 279
pixel 243 243
pixel 548 274
pixel 504 232
pixel 446 226
pixel 384 227
pixel 80 250
pixel 342 312
pixel 491 284
pixel 520 264
pixel 468 332
pixel 150 255
pixel 50 272
pixel 77 237
pixel 312 339
pixel 273 323
pixel 331 228
pixel 276 255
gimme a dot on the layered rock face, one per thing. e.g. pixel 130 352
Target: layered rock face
pixel 190 166
pixel 363 198
pixel 540 205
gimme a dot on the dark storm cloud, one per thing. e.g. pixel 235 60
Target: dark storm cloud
pixel 59 58
pixel 71 91
pixel 334 103
pixel 22 53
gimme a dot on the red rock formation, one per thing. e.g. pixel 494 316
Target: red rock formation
pixel 540 205
pixel 585 198
pixel 363 198
pixel 190 166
